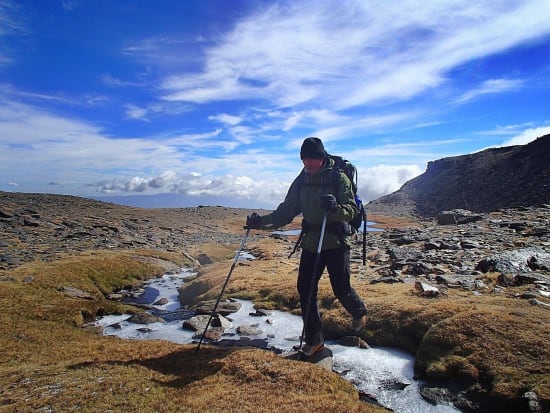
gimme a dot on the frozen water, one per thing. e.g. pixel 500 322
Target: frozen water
pixel 384 374
pixel 387 375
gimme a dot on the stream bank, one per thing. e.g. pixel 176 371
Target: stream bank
pixel 381 375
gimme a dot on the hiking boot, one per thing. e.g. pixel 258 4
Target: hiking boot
pixel 310 349
pixel 359 323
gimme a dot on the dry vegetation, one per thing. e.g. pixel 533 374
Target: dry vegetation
pixel 497 345
pixel 51 362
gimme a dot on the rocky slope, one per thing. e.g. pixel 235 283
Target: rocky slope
pixel 485 181
pixel 487 266
pixel 45 227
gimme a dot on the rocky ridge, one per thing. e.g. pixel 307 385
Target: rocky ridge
pixel 485 181
pixel 45 227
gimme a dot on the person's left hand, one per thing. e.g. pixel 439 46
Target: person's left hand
pixel 253 221
pixel 328 202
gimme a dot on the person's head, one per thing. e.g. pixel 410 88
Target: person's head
pixel 313 155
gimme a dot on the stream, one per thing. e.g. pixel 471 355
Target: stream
pixel 384 374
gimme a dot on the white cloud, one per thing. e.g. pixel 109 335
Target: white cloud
pixel 345 54
pixel 380 180
pixel 109 80
pixel 135 112
pixel 241 188
pixel 505 130
pixel 310 66
pixel 227 119
pixel 39 145
pixel 491 86
pixel 527 136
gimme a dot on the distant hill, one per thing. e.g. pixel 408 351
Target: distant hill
pixel 485 181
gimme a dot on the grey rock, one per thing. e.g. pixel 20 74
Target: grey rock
pixel 145 318
pixel 516 261
pixel 76 293
pixel 204 259
pixel 196 323
pixel 224 308
pixel 248 330
pixel 161 301
pixel 426 290
pixel 457 217
pixel 353 341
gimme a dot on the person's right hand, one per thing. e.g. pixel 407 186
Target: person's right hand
pixel 253 221
pixel 328 202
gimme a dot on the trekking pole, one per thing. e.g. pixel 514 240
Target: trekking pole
pixel 223 289
pixel 313 278
pixel 364 236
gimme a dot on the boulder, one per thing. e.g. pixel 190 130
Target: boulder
pixel 516 261
pixel 457 217
pixel 145 318
pixel 248 330
pixel 161 301
pixel 426 290
pixel 353 341
pixel 224 307
pixel 204 259
pixel 197 323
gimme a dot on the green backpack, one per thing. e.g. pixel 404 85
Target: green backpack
pixel 341 164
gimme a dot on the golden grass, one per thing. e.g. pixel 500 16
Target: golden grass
pixel 497 343
pixel 48 362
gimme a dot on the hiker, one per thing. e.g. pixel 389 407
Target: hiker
pixel 314 193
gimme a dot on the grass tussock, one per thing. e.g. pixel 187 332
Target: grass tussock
pixel 498 345
pixel 50 363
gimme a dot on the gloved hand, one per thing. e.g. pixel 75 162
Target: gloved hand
pixel 328 202
pixel 253 221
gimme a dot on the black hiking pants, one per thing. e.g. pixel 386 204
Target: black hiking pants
pixel 336 261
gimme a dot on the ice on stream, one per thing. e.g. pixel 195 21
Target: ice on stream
pixel 383 373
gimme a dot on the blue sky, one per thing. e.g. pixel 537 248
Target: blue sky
pixel 210 100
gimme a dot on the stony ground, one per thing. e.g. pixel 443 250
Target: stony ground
pixel 46 227
pixel 491 272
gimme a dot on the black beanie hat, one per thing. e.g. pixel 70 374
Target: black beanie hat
pixel 312 148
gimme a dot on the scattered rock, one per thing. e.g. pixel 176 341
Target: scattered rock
pixel 204 259
pixel 533 401
pixel 353 341
pixel 212 334
pixel 426 290
pixel 145 318
pixel 76 293
pixel 220 321
pixel 457 217
pixel 197 323
pixel 144 330
pixel 224 307
pixel 162 301
pixel 516 261
pixel 260 313
pixel 248 330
